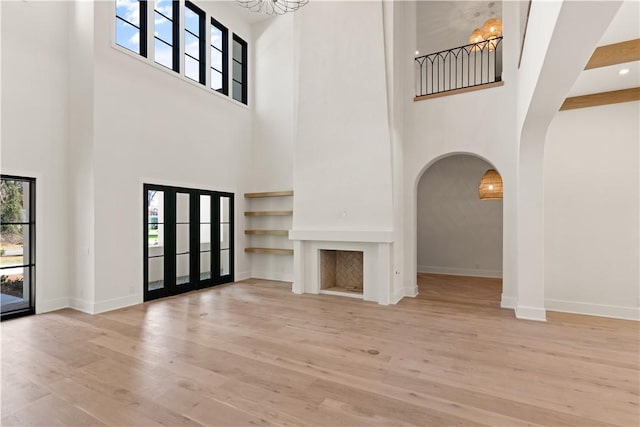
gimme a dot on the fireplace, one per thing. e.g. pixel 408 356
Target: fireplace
pixel 341 271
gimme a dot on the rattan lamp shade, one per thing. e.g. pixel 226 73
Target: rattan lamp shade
pixel 476 37
pixel 490 187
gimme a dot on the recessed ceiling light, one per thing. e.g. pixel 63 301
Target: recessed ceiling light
pixel 417 52
pixel 623 71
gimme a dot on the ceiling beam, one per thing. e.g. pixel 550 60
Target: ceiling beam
pixel 603 98
pixel 617 53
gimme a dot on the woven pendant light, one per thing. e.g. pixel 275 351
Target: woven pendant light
pixel 476 37
pixel 490 187
pixel 492 28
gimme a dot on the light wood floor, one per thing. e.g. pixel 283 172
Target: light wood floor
pixel 253 353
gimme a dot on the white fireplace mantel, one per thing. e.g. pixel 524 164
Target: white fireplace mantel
pixel 369 236
pixel 376 246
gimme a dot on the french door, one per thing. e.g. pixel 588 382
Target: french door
pixel 17 246
pixel 188 239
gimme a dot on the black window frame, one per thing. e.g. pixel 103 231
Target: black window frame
pixel 175 33
pixel 31 222
pixel 225 56
pixel 244 64
pixel 170 286
pixel 202 62
pixel 142 4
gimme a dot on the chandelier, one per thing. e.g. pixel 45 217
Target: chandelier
pixel 272 7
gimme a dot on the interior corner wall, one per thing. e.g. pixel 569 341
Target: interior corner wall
pixel 151 126
pixel 342 162
pixel 591 208
pixel 34 131
pixel 458 233
pixel 271 166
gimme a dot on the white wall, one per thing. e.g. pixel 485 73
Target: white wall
pixel 591 185
pixel 34 131
pixel 152 126
pixel 273 132
pixel 342 163
pixel 480 123
pixel 457 232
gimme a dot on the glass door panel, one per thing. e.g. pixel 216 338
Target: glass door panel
pixel 205 238
pixel 17 246
pixel 183 240
pixel 155 240
pixel 225 238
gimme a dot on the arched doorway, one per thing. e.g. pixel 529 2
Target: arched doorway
pixel 459 236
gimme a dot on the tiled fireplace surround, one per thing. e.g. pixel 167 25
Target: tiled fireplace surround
pixel 376 248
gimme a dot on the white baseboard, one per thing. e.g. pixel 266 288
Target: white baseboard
pixel 531 313
pixel 473 272
pixel 52 305
pixel 411 291
pixel 270 275
pixel 116 303
pixel 81 305
pixel 602 310
pixel 397 295
pixel 508 302
pixel 244 275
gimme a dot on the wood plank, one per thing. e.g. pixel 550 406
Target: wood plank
pixel 269 194
pixel 458 91
pixel 616 53
pixel 254 353
pixel 267 232
pixel 268 213
pixel 269 251
pixel 603 98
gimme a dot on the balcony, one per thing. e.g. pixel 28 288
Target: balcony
pixel 461 69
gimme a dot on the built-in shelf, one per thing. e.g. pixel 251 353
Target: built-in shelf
pixel 269 251
pixel 341 292
pixel 269 194
pixel 278 230
pixel 267 232
pixel 268 213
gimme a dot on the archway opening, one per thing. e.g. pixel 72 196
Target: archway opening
pixel 459 236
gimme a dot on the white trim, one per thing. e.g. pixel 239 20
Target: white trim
pixel 341 294
pixel 53 305
pixel 411 291
pixel 366 236
pixel 508 302
pixel 81 305
pixel 531 313
pixel 243 275
pixel 116 303
pixel 271 275
pixel 590 309
pixel 455 271
pixel 397 295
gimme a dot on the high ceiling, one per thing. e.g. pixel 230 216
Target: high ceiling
pixel 625 26
pixel 443 25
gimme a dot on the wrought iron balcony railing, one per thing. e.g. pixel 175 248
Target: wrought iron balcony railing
pixel 471 65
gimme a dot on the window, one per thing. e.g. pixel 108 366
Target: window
pixel 239 69
pixel 131 25
pixel 194 39
pixel 17 245
pixel 166 34
pixel 219 60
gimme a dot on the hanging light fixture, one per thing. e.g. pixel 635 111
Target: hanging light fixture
pixel 272 7
pixel 490 187
pixel 476 37
pixel 492 29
